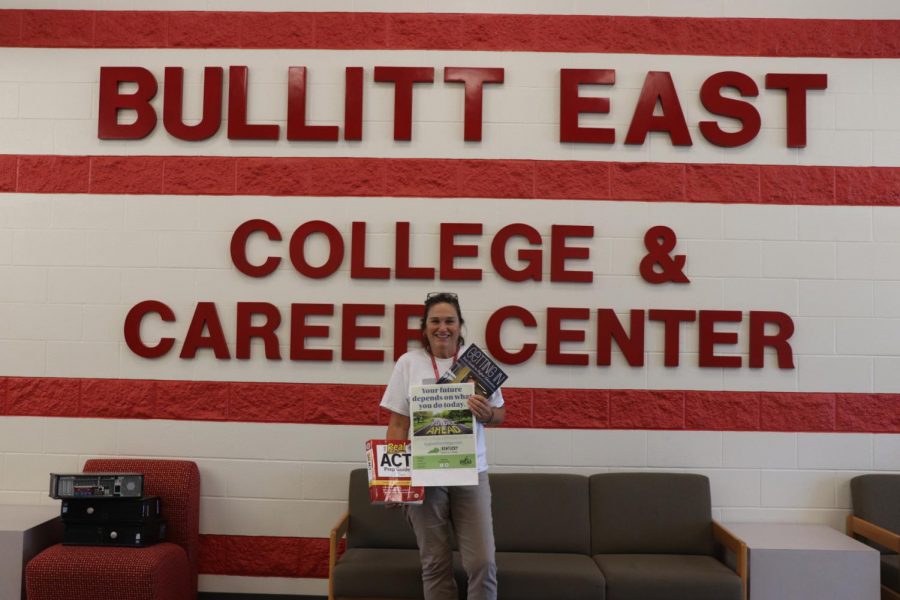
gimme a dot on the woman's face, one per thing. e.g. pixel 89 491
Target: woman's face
pixel 442 330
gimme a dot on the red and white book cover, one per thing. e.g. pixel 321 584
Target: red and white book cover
pixel 390 474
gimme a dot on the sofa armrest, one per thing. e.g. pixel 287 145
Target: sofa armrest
pixel 874 533
pixel 738 547
pixel 337 533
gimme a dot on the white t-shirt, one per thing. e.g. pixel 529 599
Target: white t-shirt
pixel 415 368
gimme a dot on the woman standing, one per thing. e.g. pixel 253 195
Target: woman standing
pixel 466 507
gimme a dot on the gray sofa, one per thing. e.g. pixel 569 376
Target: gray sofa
pixel 876 521
pixel 611 536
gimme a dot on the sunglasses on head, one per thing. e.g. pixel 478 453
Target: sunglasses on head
pixel 431 296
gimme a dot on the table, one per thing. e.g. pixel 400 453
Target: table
pixel 24 532
pixel 807 562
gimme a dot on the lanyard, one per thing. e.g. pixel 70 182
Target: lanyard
pixel 437 374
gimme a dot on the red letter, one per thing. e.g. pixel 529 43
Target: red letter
pixel 112 101
pixel 133 329
pixel 560 253
pixel 353 103
pixel 246 330
pixel 358 268
pixel 609 328
pixel 531 258
pixel 474 78
pixel 658 87
pixel 759 340
pixel 351 331
pixel 205 317
pixel 335 249
pixel 717 104
pixel 403 270
pixel 403 79
pixel 300 331
pixel 403 333
pixel 239 248
pixel 173 105
pixel 297 129
pixel 492 335
pixel 556 335
pixel 672 320
pixel 450 251
pixel 238 128
pixel 571 105
pixel 709 337
pixel 796 84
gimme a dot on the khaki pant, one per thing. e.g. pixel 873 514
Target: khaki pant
pixel 468 509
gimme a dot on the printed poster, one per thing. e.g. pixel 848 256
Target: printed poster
pixel 443 435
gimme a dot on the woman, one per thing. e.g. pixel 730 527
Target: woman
pixel 468 508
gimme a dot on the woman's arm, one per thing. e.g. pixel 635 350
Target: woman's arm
pixel 398 427
pixel 484 412
pixel 499 416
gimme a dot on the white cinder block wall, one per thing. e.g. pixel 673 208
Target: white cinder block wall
pixel 73 263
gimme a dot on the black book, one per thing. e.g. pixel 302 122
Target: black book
pixel 476 366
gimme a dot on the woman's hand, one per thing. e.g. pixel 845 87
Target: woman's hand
pixel 481 409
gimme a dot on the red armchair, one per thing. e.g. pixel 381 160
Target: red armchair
pixel 165 571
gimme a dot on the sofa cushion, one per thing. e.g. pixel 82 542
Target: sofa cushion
pixel 539 576
pixel 369 572
pixel 374 526
pixel 890 571
pixel 650 513
pixel 667 577
pixel 540 512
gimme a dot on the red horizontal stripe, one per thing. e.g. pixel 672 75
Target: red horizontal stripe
pixel 839 38
pixel 451 178
pixel 264 556
pixel 336 404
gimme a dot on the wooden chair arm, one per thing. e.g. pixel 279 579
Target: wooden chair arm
pixel 872 532
pixel 739 548
pixel 337 533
